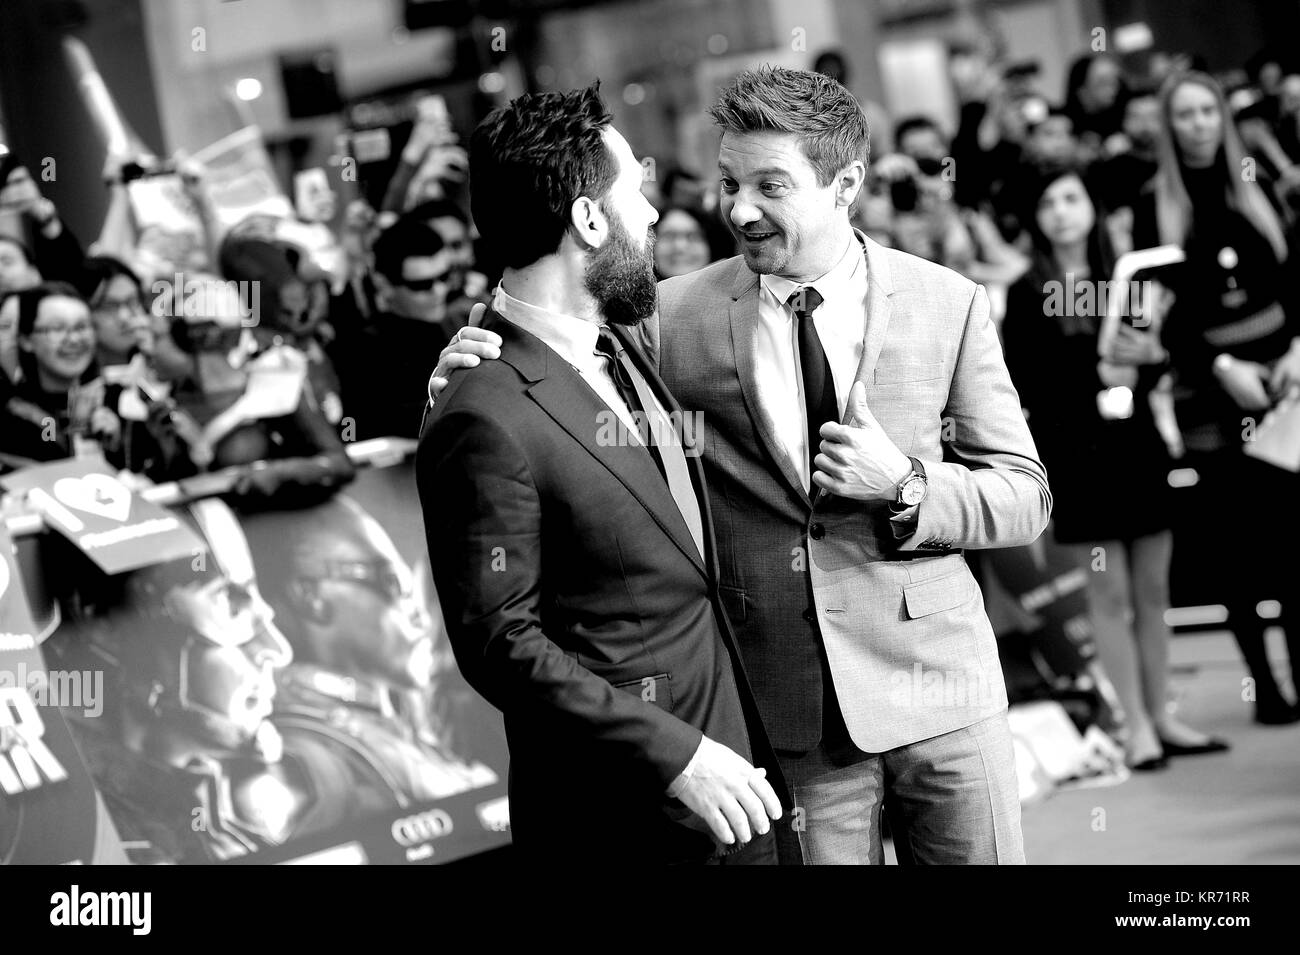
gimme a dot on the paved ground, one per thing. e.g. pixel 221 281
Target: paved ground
pixel 1237 807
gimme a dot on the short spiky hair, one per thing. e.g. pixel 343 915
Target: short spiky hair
pixel 529 161
pixel 831 126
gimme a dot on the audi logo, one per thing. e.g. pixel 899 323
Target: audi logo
pixel 430 824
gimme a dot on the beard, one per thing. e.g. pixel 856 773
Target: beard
pixel 621 277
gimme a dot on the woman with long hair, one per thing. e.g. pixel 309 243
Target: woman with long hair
pixel 1108 467
pixel 1232 338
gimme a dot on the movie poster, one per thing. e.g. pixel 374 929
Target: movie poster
pixel 284 693
pixel 49 810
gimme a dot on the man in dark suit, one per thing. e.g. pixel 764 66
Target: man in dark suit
pixel 569 529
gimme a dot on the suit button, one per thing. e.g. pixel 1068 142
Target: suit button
pixel 817 532
pixel 808 615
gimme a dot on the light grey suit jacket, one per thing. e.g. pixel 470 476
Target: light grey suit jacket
pixel 909 645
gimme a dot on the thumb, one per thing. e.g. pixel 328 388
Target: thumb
pixel 860 415
pixel 476 314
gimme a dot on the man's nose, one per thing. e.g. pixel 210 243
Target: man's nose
pixel 743 213
pixel 269 644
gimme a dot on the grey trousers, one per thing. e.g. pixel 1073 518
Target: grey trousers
pixel 953 799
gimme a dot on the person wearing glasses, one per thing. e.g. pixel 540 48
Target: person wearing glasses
pixel 61 404
pixel 385 385
pixel 130 341
pixel 122 325
pixel 59 398
pixel 362 639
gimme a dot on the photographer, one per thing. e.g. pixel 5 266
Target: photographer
pixel 926 219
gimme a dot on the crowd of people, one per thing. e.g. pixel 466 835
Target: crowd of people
pixel 1031 193
pixel 264 359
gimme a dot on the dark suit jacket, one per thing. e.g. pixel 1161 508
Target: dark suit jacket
pixel 577 604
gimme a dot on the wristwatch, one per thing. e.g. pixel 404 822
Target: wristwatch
pixel 911 490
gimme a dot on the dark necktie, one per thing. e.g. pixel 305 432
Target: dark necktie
pixel 820 405
pixel 611 349
pixel 663 443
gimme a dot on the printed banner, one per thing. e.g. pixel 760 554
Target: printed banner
pixel 288 693
pixel 116 528
pixel 49 811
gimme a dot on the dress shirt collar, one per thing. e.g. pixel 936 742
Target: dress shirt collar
pixel 571 338
pixel 834 285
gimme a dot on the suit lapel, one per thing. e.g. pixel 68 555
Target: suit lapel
pixel 744 342
pixel 562 393
pixel 693 463
pixel 879 288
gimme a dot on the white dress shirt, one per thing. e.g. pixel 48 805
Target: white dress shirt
pixel 841 323
pixel 574 340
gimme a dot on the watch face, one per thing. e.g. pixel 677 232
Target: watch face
pixel 913 491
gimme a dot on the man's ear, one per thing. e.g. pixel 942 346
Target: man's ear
pixel 849 183
pixel 25 343
pixel 590 227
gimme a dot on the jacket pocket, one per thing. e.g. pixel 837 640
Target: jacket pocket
pixel 654 689
pixel 933 596
pixel 898 373
pixel 733 602
pixel 642 681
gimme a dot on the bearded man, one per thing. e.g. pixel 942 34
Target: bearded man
pixel 575 561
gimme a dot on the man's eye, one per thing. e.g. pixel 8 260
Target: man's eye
pixel 728 185
pixel 771 187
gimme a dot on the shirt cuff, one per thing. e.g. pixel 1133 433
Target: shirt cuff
pixel 679 784
pixel 904 523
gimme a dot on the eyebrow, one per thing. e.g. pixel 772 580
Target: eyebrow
pixel 765 171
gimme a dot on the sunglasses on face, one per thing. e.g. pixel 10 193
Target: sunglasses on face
pixel 377 575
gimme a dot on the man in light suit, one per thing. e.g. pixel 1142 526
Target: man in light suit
pixel 574 561
pixel 861 431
